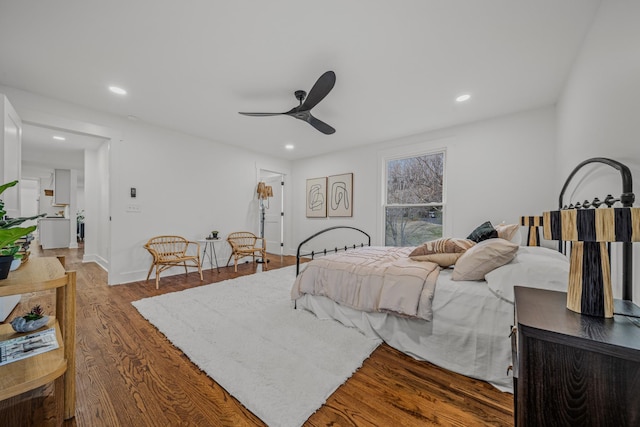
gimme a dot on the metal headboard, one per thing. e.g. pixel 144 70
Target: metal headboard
pixel 324 251
pixel 626 199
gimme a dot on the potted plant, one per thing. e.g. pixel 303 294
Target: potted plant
pixel 31 321
pixel 214 234
pixel 10 233
pixel 12 251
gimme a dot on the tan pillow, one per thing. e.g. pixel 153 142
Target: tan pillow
pixel 445 251
pixel 445 245
pixel 484 257
pixel 507 231
pixel 443 260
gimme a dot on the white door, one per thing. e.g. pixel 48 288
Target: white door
pixel 273 214
pixel 10 170
pixel 11 150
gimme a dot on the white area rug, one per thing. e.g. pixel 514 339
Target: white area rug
pixel 281 363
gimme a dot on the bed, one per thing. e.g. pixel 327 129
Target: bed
pixel 465 324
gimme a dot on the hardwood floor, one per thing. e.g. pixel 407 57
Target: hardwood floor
pixel 128 374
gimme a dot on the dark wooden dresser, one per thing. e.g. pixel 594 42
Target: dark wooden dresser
pixel 572 369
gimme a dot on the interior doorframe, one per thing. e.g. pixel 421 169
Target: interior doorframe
pixel 37 118
pixel 261 174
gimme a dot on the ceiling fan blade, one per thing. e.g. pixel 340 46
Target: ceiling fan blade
pixel 320 125
pixel 319 90
pixel 260 114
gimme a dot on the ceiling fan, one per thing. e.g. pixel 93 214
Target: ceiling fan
pixel 303 111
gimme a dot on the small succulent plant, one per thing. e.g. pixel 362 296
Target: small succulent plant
pixel 35 313
pixel 31 321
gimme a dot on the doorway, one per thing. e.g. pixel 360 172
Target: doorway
pixel 271 215
pixel 84 149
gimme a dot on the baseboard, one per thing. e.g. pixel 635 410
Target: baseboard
pixel 98 260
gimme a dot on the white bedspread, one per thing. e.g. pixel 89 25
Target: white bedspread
pixel 469 333
pixel 372 279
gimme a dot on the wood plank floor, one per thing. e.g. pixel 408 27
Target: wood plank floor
pixel 128 374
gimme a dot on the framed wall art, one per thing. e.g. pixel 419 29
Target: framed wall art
pixel 340 195
pixel 317 197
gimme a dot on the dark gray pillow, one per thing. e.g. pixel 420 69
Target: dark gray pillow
pixel 483 232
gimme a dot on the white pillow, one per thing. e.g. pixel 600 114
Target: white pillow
pixel 541 251
pixel 534 267
pixel 484 257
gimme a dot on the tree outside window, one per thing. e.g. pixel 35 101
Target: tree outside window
pixel 414 199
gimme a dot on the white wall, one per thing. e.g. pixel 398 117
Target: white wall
pixel 496 170
pixel 29 200
pixel 96 189
pixel 186 185
pixel 599 111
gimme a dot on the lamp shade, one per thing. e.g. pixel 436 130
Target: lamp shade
pixel 261 189
pixel 264 190
pixel 533 222
pixel 593 225
pixel 589 289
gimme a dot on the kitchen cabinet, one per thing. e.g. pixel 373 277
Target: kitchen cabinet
pixel 62 187
pixel 54 233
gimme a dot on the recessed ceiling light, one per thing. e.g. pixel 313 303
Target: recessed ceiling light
pixel 117 90
pixel 59 138
pixel 289 146
pixel 463 98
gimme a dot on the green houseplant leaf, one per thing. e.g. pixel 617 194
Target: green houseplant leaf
pixel 2 188
pixel 17 221
pixel 7 185
pixel 11 250
pixel 10 235
pixel 9 232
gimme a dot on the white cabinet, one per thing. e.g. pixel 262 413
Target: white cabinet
pixel 54 233
pixel 62 187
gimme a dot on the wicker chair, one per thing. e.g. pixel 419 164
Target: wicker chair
pixel 171 251
pixel 243 243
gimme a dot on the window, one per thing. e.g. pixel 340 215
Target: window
pixel 414 199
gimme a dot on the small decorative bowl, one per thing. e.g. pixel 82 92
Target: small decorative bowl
pixel 19 324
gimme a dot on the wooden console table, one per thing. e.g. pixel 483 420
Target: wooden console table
pixel 573 369
pixel 40 274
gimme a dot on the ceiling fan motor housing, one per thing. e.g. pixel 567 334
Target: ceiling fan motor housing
pixel 300 95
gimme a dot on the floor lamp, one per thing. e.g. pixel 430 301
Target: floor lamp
pixel 264 192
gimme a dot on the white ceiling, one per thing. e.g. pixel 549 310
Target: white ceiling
pixel 192 65
pixel 41 152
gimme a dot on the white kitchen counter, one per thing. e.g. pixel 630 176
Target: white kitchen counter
pixel 54 233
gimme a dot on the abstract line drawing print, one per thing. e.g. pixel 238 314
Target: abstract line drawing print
pixel 316 198
pixel 341 195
